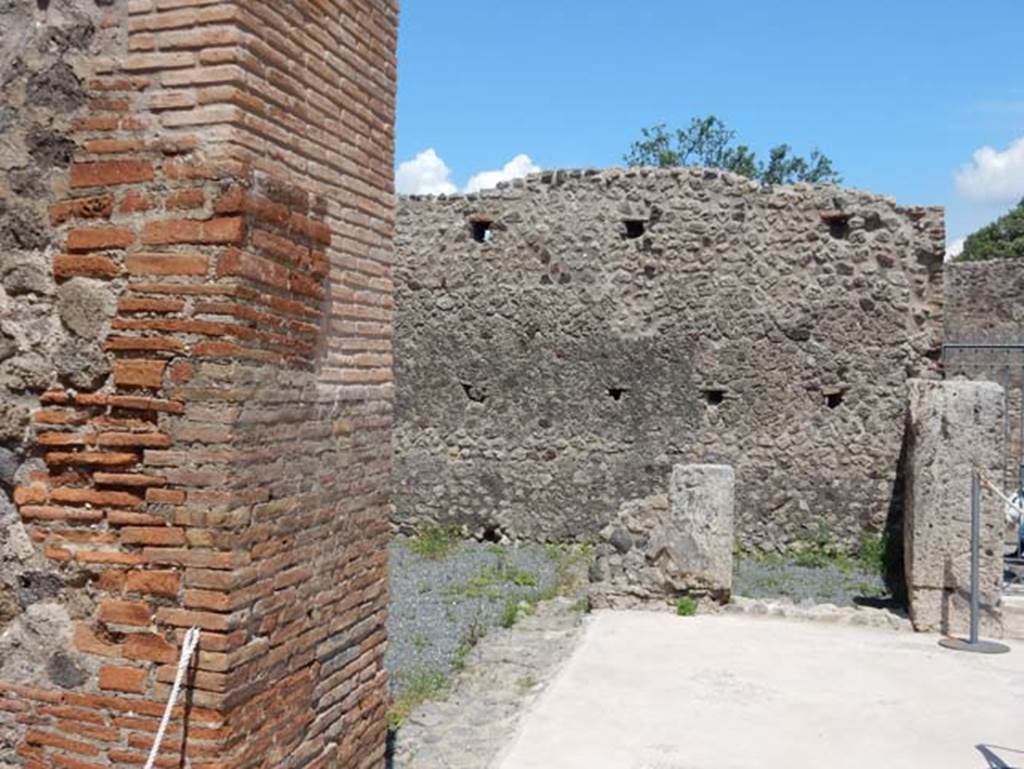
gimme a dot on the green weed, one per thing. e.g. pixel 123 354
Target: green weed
pixel 582 605
pixel 686 606
pixel 470 638
pixel 509 613
pixel 434 542
pixel 415 689
pixel 526 682
pixel 488 582
pixel 571 564
pixel 872 554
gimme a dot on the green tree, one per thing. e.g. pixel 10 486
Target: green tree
pixel 708 142
pixel 1003 239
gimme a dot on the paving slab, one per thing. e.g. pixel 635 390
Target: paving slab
pixel 657 691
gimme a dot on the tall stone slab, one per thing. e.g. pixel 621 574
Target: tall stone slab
pixel 953 426
pixel 661 547
pixel 196 225
pixel 701 515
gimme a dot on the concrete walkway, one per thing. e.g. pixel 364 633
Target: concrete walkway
pixel 657 691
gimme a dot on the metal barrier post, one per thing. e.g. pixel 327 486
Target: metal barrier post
pixel 975 543
pixel 972 644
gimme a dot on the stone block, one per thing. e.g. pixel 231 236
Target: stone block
pixel 700 527
pixel 86 306
pixel 953 427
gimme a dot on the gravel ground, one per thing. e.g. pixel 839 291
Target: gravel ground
pixel 441 605
pixel 505 673
pixel 447 596
pixel 761 578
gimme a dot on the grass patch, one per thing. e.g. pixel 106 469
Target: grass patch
pixel 520 578
pixel 867 590
pixel 818 550
pixel 571 564
pixel 526 682
pixel 759 557
pixel 488 583
pixel 434 542
pixel 470 638
pixel 415 689
pixel 686 606
pixel 582 605
pixel 769 583
pixel 872 554
pixel 820 556
pixel 483 585
pixel 509 613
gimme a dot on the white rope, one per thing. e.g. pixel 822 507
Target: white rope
pixel 1011 504
pixel 188 648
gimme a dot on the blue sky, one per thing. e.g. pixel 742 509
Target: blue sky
pixel 900 94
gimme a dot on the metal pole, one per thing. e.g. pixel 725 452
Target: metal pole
pixel 981 346
pixel 1006 428
pixel 1020 438
pixel 972 644
pixel 975 541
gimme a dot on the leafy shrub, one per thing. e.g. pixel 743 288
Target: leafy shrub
pixel 686 606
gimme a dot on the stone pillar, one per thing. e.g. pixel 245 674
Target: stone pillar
pixel 953 426
pixel 206 438
pixel 659 548
pixel 701 515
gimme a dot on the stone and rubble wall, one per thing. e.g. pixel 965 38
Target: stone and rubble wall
pixel 984 307
pixel 196 218
pixel 983 301
pixel 670 545
pixel 563 341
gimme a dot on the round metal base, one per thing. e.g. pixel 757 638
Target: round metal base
pixel 978 647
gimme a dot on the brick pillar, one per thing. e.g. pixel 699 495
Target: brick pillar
pixel 231 195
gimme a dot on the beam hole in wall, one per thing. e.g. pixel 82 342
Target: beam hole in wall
pixel 839 229
pixel 833 398
pixel 635 228
pixel 493 534
pixel 714 396
pixel 616 393
pixel 838 224
pixel 482 230
pixel 474 393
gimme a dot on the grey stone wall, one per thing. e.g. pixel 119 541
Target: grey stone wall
pixel 983 307
pixel 983 302
pixel 562 341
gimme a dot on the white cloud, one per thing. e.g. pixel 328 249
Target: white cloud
pixel 426 174
pixel 520 165
pixel 994 176
pixel 955 248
